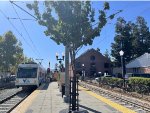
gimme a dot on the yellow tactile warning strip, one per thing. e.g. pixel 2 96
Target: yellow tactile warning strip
pixel 107 101
pixel 23 106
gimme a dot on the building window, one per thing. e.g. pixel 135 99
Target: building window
pixel 78 65
pixel 135 70
pixel 92 58
pixel 92 69
pixel 106 65
pixel 93 65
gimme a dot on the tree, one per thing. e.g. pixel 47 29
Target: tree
pixel 27 60
pixel 132 38
pixel 141 37
pixel 19 59
pixel 106 54
pixel 73 24
pixel 98 49
pixel 10 49
pixel 122 41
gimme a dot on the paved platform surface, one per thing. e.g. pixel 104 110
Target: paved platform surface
pixel 47 99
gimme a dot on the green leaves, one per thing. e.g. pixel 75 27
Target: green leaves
pixel 106 6
pixel 134 38
pixel 112 16
pixel 10 51
pixel 71 21
pixel 29 6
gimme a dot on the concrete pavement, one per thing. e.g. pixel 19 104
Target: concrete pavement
pixel 47 99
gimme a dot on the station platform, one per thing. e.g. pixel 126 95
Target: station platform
pixel 48 99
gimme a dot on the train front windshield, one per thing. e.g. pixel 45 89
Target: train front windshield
pixel 27 73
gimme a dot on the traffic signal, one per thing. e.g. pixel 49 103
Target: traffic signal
pixel 49 64
pixel 48 70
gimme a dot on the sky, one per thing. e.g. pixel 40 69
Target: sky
pixel 36 45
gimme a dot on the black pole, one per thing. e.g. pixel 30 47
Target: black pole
pixel 123 64
pixel 74 93
pixel 122 68
pixel 82 73
pixel 124 71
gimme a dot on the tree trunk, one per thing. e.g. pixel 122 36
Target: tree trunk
pixel 74 99
pixel 67 73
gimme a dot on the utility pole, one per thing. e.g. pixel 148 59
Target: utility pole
pixel 67 81
pixel 49 64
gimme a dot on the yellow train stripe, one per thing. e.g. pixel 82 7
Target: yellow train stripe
pixel 109 102
pixel 23 106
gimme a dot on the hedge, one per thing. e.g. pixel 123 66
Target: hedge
pixel 136 84
pixel 116 82
pixel 139 81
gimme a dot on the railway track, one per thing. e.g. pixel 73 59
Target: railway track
pixel 129 102
pixel 7 85
pixel 9 103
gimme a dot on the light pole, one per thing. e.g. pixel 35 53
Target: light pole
pixel 62 85
pixel 83 72
pixel 49 64
pixel 60 59
pixel 122 25
pixel 123 67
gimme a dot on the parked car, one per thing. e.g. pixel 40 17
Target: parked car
pixel 107 75
pixel 12 77
pixel 97 79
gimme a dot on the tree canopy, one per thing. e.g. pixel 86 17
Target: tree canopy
pixel 132 38
pixel 106 54
pixel 11 51
pixel 73 21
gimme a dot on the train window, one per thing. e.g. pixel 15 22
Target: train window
pixel 27 73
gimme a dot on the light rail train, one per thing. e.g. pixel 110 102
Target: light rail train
pixel 30 75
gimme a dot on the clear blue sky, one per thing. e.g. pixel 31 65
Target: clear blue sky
pixel 47 48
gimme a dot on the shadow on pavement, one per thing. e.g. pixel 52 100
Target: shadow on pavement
pixel 89 109
pixel 45 86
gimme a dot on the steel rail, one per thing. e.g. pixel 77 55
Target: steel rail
pixel 10 108
pixel 121 98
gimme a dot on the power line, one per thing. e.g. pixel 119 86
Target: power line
pixel 23 9
pixel 37 19
pixel 14 18
pixel 25 29
pixel 16 29
pixel 25 19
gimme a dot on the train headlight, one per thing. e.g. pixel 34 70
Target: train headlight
pixel 34 81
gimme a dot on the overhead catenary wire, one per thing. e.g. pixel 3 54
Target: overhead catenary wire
pixel 37 19
pixel 14 18
pixel 25 29
pixel 17 31
pixel 106 37
pixel 25 19
pixel 23 10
